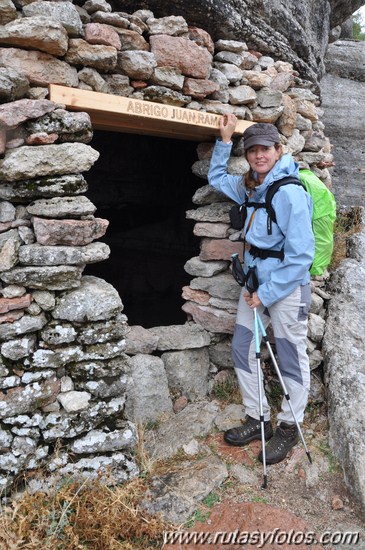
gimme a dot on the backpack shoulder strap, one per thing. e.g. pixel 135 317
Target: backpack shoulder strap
pixel 271 216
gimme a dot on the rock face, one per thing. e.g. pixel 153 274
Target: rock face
pixel 345 78
pixel 296 30
pixel 344 366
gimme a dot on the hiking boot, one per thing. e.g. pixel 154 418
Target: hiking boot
pixel 285 437
pixel 249 431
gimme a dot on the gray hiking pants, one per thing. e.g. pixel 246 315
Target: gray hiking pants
pixel 289 320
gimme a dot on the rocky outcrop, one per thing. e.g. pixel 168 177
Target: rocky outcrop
pixel 344 362
pixel 346 59
pixel 345 78
pixel 295 31
pixel 345 365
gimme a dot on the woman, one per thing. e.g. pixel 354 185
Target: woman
pixel 283 295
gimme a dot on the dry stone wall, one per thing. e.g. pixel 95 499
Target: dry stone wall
pixel 75 379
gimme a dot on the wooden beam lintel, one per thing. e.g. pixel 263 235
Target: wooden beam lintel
pixel 125 114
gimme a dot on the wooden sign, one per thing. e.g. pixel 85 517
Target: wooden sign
pixel 137 116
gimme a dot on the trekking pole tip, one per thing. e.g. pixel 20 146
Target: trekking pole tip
pixel 309 457
pixel 264 483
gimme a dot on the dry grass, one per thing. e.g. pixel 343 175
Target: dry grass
pixel 347 223
pixel 75 517
pixel 227 391
pixel 88 515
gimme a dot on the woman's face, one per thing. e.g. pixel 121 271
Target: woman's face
pixel 262 159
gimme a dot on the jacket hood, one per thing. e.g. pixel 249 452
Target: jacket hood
pixel 284 167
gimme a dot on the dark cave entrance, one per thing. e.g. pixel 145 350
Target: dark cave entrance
pixel 143 185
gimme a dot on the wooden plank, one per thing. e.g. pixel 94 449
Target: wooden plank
pixel 125 114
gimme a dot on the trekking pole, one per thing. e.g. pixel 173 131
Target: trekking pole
pixel 252 284
pixel 250 281
pixel 287 396
pixel 259 381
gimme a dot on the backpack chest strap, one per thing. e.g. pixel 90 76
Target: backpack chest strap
pixel 263 253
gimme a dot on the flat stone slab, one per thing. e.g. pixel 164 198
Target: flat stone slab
pixel 176 495
pixel 196 419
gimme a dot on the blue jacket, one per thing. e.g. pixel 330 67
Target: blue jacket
pixel 293 232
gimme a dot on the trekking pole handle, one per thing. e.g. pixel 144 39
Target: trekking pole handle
pixel 237 270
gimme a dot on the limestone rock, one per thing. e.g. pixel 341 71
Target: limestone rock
pixel 15 113
pixel 96 33
pixel 73 401
pixel 169 77
pixel 19 348
pixel 171 25
pixel 44 187
pixel 57 424
pixel 92 78
pixel 344 370
pixel 340 118
pixel 138 65
pixel 176 495
pixel 131 40
pixel 7 12
pixel 198 268
pixel 69 126
pixel 140 340
pixel 242 95
pixel 45 278
pixel 217 212
pixel 9 304
pixel 62 207
pixel 188 57
pixel 100 57
pixel 345 58
pixel 102 389
pixel 36 33
pixel 212 319
pixel 68 232
pixel 195 420
pixel 56 334
pixel 48 160
pixel 199 88
pixel 97 441
pixel 219 249
pixel 21 326
pixel 23 400
pixel 94 300
pixel 39 68
pixel 65 12
pixel 160 94
pixel 103 331
pixel 176 337
pixel 118 465
pixel 220 286
pixel 113 19
pixel 35 254
pixel 187 372
pixel 147 393
pixel 13 84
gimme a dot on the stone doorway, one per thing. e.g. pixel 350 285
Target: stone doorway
pixel 143 185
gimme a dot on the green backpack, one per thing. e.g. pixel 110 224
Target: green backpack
pixel 323 216
pixel 323 219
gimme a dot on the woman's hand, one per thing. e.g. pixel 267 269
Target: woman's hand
pixel 227 124
pixel 252 301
